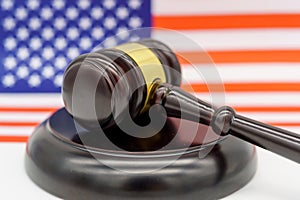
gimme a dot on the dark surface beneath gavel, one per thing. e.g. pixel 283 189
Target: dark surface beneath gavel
pixel 175 134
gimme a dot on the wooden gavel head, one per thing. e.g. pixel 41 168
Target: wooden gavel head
pixel 134 68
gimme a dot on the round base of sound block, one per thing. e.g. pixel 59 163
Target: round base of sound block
pixel 57 161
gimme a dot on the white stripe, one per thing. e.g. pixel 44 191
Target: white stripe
pixel 23 117
pixel 253 98
pixel 233 39
pixel 295 129
pixel 219 7
pixel 241 73
pixel 274 116
pixel 19 131
pixel 30 100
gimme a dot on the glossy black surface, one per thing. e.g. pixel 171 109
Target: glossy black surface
pixel 57 161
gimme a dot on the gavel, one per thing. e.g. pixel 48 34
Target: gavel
pixel 147 73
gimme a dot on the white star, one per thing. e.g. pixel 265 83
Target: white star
pixel 122 13
pixel 85 43
pixel 22 33
pixel 72 52
pixel 110 42
pixel 22 72
pixel 9 23
pixel 97 13
pixel 8 80
pixel 134 38
pixel 33 4
pixel 48 72
pixel 60 23
pixel 58 4
pixel 10 43
pixel 97 33
pixel 23 53
pixel 34 23
pixel 48 53
pixel 85 23
pixel 47 33
pixel 72 33
pixel 134 4
pixel 35 43
pixel 46 13
pixel 34 80
pixel 35 62
pixel 109 4
pixel 10 62
pixel 7 4
pixel 110 22
pixel 83 4
pixel 122 33
pixel 21 13
pixel 60 43
pixel 58 80
pixel 135 22
pixel 71 13
pixel 60 62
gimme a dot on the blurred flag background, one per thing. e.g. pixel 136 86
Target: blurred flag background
pixel 39 39
pixel 254 44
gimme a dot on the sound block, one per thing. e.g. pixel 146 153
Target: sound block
pixel 73 163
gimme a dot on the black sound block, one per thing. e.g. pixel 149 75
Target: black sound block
pixel 57 161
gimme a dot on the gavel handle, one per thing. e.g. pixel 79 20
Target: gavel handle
pixel 277 140
pixel 224 121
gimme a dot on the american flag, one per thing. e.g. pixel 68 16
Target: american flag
pixel 255 46
pixel 39 39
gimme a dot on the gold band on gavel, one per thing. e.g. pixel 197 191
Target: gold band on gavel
pixel 148 63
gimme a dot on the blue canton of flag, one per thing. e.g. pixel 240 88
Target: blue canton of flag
pixel 39 38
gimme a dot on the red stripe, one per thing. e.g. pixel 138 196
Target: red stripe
pixel 27 109
pixel 227 21
pixel 12 138
pixel 239 56
pixel 243 87
pixel 267 109
pixel 287 124
pixel 19 123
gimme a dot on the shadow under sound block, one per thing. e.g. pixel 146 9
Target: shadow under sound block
pixel 72 163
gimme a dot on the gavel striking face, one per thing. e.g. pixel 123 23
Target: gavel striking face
pixel 150 74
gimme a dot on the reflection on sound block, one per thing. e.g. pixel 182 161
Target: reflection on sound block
pixel 175 134
pixel 180 161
